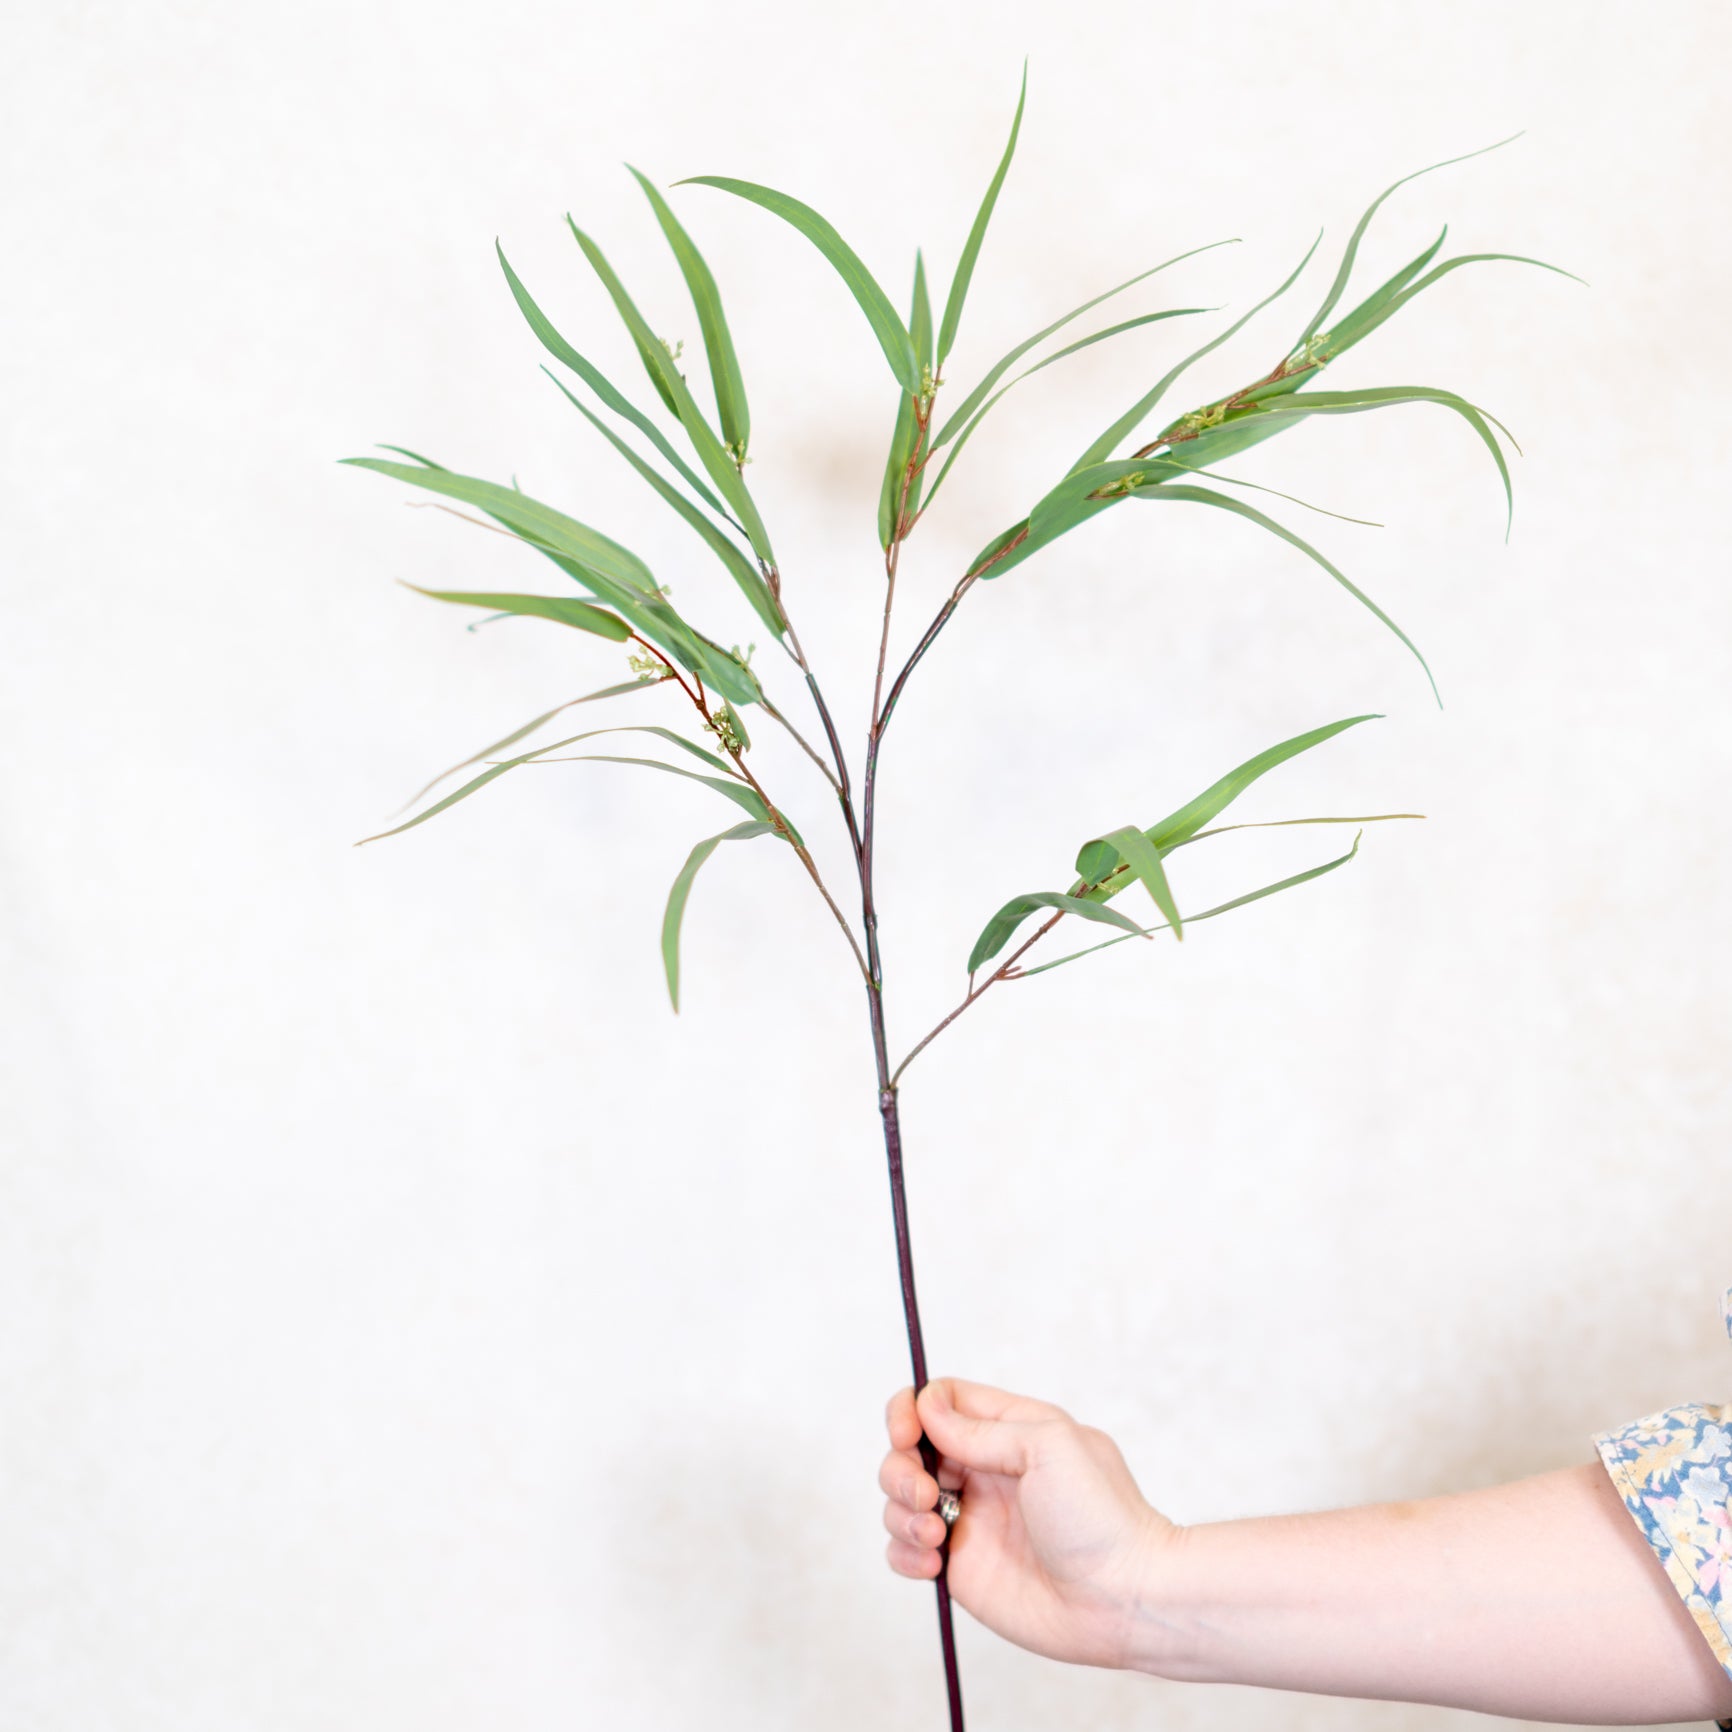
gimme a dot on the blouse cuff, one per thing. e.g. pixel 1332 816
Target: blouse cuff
pixel 1672 1469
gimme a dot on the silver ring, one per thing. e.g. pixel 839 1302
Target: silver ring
pixel 949 1506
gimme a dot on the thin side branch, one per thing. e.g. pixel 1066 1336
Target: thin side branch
pixel 1005 971
pixel 778 822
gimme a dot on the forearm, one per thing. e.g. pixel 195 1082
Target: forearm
pixel 1539 1600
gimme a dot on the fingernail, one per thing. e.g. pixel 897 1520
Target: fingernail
pixel 905 1492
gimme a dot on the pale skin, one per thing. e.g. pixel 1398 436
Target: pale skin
pixel 1538 1600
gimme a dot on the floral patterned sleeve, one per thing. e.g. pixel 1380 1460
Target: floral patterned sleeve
pixel 1672 1470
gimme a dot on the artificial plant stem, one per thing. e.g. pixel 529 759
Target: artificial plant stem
pixel 887 1103
pixel 927 639
pixel 887 1106
pixel 844 791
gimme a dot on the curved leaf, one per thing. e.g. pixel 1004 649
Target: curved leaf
pixel 577 541
pixel 740 569
pixel 1400 299
pixel 730 389
pixel 643 683
pixel 682 889
pixel 1204 496
pixel 738 792
pixel 563 609
pixel 1134 416
pixel 892 505
pixel 1102 876
pixel 997 931
pixel 580 553
pixel 561 350
pixel 1388 397
pixel 1143 862
pixel 711 453
pixel 1207 914
pixel 971 248
pixel 960 416
pixel 892 336
pixel 1347 258
pixel 1059 355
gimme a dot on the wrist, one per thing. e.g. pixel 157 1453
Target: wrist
pixel 1160 1630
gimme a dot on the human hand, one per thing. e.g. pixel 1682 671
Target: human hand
pixel 1054 1538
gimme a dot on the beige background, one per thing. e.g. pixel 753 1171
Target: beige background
pixel 408 1324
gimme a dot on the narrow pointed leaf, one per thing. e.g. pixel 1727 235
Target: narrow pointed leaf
pixel 562 609
pixel 1399 300
pixel 1391 396
pixel 1207 914
pixel 1077 498
pixel 1346 270
pixel 733 788
pixel 971 248
pixel 413 456
pixel 1205 496
pixel 528 728
pixel 1138 412
pixel 433 811
pixel 997 931
pixel 1176 468
pixel 738 792
pixel 706 299
pixel 1029 372
pixel 577 541
pixel 1143 861
pixel 961 415
pixel 740 569
pixel 561 350
pixel 682 889
pixel 905 434
pixel 891 333
pixel 1101 874
pixel 710 451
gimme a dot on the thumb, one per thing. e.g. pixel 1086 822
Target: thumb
pixel 982 1445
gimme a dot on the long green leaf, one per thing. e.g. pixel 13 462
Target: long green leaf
pixel 718 343
pixel 971 248
pixel 1134 416
pixel 577 541
pixel 625 586
pixel 997 931
pixel 1179 468
pixel 1143 860
pixel 1098 862
pixel 1207 914
pixel 561 350
pixel 735 789
pixel 906 433
pixel 1059 355
pixel 740 569
pixel 1390 396
pixel 1077 498
pixel 643 683
pixel 738 792
pixel 710 451
pixel 1346 269
pixel 1400 299
pixel 1205 496
pixel 962 415
pixel 682 889
pixel 891 333
pixel 563 609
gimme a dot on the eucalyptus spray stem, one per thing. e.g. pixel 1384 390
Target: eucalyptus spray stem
pixel 622 601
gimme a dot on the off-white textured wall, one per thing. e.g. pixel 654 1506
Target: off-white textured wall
pixel 407 1323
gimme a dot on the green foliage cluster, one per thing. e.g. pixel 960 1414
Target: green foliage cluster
pixel 627 603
